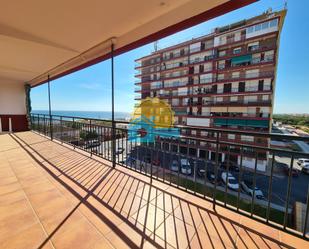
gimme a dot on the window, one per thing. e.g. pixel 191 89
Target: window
pixel 222 53
pixel 237 50
pixel 250 29
pixel 253 46
pixel 233 99
pixel 237 36
pixel 235 75
pixel 258 27
pixel 221 64
pixel 219 99
pixel 247 138
pixel 231 136
pixel 273 23
pixel 265 25
pixel 220 76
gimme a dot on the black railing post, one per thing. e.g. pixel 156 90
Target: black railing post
pixel 38 130
pixel 61 130
pixel 113 108
pixel 288 193
pixel 270 184
pixel 44 125
pixel 49 110
pixel 306 215
pixel 216 170
pixel 91 141
pixel 73 124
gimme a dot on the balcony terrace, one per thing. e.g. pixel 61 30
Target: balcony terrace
pixel 55 196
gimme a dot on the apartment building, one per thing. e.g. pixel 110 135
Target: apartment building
pixel 225 80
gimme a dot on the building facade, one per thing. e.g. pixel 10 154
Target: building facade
pixel 224 80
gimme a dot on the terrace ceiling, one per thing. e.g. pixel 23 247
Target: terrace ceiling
pixel 57 37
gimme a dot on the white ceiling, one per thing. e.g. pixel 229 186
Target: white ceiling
pixel 40 37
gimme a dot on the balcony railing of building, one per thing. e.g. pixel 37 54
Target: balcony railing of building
pixel 230 40
pixel 241 75
pixel 238 175
pixel 167 66
pixel 227 103
pixel 253 61
pixel 229 114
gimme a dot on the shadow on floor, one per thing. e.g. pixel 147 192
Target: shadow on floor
pixel 157 214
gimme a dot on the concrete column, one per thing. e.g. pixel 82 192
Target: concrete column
pixel 0 125
pixel 209 155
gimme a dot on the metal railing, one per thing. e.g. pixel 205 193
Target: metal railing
pixel 238 170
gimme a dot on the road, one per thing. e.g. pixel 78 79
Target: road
pixel 299 184
pixel 304 146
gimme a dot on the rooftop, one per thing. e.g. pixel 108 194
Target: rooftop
pixel 52 196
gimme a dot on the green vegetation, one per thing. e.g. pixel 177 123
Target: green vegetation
pixel 274 215
pixel 298 120
pixel 88 135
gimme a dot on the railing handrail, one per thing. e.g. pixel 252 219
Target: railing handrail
pixel 264 134
pixel 96 139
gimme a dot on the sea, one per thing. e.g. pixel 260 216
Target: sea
pixel 87 114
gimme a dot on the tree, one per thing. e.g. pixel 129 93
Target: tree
pixel 88 135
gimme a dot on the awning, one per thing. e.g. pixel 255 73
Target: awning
pixel 220 121
pixel 241 122
pixel 241 59
pixel 258 123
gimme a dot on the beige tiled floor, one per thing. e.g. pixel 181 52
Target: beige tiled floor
pixel 54 197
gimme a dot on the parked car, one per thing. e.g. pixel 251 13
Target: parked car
pixel 302 161
pixel 305 168
pixel 147 158
pixel 231 165
pixel 185 167
pixel 131 161
pixel 201 171
pixel 294 172
pixel 119 151
pixel 248 188
pixel 156 162
pixel 174 166
pixel 211 176
pixel 230 180
pixel 92 144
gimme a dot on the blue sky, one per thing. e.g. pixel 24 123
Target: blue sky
pixel 89 89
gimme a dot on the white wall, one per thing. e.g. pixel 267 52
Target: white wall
pixel 12 98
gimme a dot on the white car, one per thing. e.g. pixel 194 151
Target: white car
pixel 230 180
pixel 305 168
pixel 302 161
pixel 248 188
pixel 185 167
pixel 174 166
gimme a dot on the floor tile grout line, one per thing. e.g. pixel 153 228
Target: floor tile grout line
pixel 32 208
pixel 82 214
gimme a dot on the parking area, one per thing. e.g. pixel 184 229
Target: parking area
pixel 201 171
